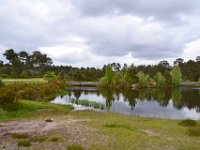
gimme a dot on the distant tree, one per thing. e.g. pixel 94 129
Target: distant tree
pixel 1 63
pixel 25 74
pixel 178 61
pixel 11 56
pixel 109 74
pixel 61 75
pixel 118 78
pixel 49 75
pixel 198 59
pixel 15 62
pixel 164 63
pixel 116 66
pixel 159 79
pixel 144 79
pixel 176 75
pixel 23 56
pixel 168 78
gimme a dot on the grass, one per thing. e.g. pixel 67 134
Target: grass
pixel 194 131
pixel 28 80
pixel 38 139
pixel 132 132
pixel 24 143
pixel 29 108
pixel 75 147
pixel 54 139
pixel 19 136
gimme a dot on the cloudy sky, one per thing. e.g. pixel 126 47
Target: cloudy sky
pixel 96 32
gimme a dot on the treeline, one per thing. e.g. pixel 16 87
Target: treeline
pixel 131 77
pixel 36 64
pixel 25 65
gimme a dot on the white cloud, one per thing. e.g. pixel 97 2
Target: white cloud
pixel 192 50
pixel 70 33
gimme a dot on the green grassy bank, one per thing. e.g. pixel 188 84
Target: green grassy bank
pixel 28 80
pixel 27 108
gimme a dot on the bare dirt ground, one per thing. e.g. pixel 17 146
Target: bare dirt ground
pixel 67 129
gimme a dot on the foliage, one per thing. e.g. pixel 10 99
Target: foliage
pixel 24 65
pixel 61 75
pixel 159 79
pixel 8 95
pixel 176 75
pixel 144 80
pixel 49 75
pixel 188 123
pixel 109 75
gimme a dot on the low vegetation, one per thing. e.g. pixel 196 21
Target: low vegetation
pixel 24 143
pixel 194 131
pixel 19 136
pixel 29 108
pixel 132 132
pixel 188 123
pixel 75 147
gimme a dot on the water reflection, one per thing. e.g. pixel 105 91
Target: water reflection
pixel 166 103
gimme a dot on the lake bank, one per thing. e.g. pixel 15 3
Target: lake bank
pixel 95 130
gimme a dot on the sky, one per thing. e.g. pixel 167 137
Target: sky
pixel 97 32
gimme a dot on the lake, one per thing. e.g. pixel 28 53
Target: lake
pixel 177 103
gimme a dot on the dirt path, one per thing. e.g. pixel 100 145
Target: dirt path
pixel 66 129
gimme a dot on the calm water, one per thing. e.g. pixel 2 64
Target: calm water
pixel 179 103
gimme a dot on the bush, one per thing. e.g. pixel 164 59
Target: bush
pixel 188 123
pixel 8 95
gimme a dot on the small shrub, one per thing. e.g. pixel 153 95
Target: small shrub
pixel 19 136
pixel 188 123
pixel 194 131
pixel 24 143
pixel 75 147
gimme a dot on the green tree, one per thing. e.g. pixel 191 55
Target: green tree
pixel 176 75
pixel 160 79
pixel 144 80
pixel 109 74
pixel 49 75
pixel 61 75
